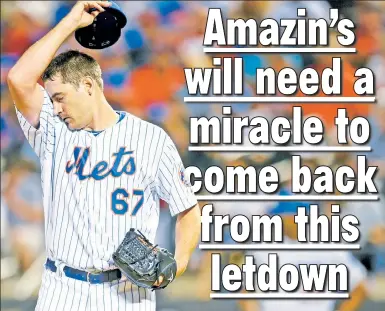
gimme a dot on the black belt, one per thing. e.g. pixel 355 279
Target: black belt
pixel 81 275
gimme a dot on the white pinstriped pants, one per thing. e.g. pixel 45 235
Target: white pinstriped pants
pixel 60 293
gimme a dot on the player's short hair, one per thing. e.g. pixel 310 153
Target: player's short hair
pixel 72 66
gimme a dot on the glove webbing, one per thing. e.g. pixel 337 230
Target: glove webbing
pixel 147 253
pixel 156 270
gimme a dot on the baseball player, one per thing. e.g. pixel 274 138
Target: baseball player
pixel 102 172
pixel 357 272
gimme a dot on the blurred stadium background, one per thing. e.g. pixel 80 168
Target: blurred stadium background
pixel 143 74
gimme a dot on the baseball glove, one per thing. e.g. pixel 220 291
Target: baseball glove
pixel 143 263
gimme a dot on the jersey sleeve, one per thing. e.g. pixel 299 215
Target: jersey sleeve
pixel 41 138
pixel 172 183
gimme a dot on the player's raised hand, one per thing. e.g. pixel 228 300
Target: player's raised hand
pixel 84 12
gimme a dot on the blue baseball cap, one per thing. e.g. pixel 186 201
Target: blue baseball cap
pixel 105 30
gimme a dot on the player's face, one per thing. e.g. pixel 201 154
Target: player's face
pixel 73 105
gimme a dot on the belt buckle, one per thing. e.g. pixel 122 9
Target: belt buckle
pixel 60 268
pixel 88 277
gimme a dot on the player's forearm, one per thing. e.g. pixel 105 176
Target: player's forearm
pixel 29 68
pixel 187 234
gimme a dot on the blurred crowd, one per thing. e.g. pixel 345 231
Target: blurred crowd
pixel 143 74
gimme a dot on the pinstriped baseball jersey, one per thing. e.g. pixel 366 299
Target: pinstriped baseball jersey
pixel 96 186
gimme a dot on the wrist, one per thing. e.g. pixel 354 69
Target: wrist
pixel 181 265
pixel 69 24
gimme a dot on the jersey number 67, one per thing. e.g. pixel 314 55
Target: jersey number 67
pixel 120 206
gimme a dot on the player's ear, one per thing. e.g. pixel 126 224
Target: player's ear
pixel 89 85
